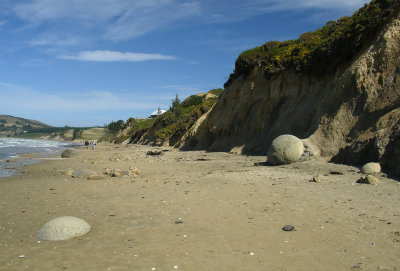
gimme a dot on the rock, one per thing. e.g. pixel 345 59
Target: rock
pixel 288 228
pixel 108 171
pixel 115 173
pixel 63 228
pixel 69 153
pixel 371 168
pixel 368 179
pixel 285 149
pixel 135 171
pixel 316 179
pixel 83 173
pixel 95 177
pixel 154 153
pixel 68 172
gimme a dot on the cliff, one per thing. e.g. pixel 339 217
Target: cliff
pixel 346 104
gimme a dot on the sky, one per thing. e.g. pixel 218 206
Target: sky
pixel 89 62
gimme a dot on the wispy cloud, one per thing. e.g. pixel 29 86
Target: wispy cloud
pixel 113 56
pixel 14 97
pixel 112 20
pixel 121 20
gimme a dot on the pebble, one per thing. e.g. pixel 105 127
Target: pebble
pixel 288 228
pixel 316 179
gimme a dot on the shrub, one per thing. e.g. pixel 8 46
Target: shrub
pixel 322 50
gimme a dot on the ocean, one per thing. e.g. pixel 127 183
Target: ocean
pixel 13 147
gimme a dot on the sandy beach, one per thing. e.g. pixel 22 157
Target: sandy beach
pixel 199 211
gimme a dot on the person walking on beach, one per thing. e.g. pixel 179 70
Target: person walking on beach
pixel 87 144
pixel 93 144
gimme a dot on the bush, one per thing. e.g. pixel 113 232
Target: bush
pixel 320 51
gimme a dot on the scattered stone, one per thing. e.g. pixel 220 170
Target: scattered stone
pixel 336 173
pixel 83 173
pixel 116 173
pixel 288 228
pixel 68 172
pixel 134 171
pixel 121 158
pixel 381 267
pixel 95 177
pixel 69 153
pixel 63 228
pixel 371 168
pixel 178 222
pixel 154 153
pixel 285 149
pixel 368 179
pixel 316 179
pixel 108 171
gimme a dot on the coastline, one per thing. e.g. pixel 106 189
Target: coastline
pixel 231 214
pixel 26 155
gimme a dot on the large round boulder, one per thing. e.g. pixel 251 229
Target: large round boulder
pixel 63 228
pixel 371 168
pixel 285 149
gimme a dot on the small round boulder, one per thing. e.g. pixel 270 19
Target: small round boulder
pixel 63 228
pixel 69 153
pixel 285 149
pixel 370 168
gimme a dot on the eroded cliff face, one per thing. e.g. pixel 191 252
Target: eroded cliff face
pixel 351 115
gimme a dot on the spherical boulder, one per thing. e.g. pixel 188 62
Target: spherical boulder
pixel 370 168
pixel 69 153
pixel 285 149
pixel 63 228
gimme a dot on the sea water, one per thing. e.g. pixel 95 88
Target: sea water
pixel 13 147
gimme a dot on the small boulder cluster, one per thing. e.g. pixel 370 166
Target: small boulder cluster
pixel 288 149
pixel 369 169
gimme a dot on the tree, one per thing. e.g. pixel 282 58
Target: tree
pixel 77 134
pixel 176 107
pixel 114 127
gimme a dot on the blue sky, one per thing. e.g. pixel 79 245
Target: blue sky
pixel 89 62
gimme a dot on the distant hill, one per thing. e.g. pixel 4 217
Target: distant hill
pixel 16 122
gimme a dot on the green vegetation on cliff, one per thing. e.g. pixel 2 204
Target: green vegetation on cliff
pixel 320 51
pixel 170 126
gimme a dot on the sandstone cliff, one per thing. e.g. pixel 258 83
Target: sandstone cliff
pixel 351 113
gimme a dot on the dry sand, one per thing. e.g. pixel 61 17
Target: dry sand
pixel 200 211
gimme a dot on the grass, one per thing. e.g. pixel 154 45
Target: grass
pixel 88 133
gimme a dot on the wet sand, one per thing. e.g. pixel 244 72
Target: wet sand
pixel 199 211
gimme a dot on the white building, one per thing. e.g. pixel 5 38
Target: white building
pixel 156 113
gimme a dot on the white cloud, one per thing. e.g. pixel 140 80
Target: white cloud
pixel 181 88
pixel 53 39
pixel 113 56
